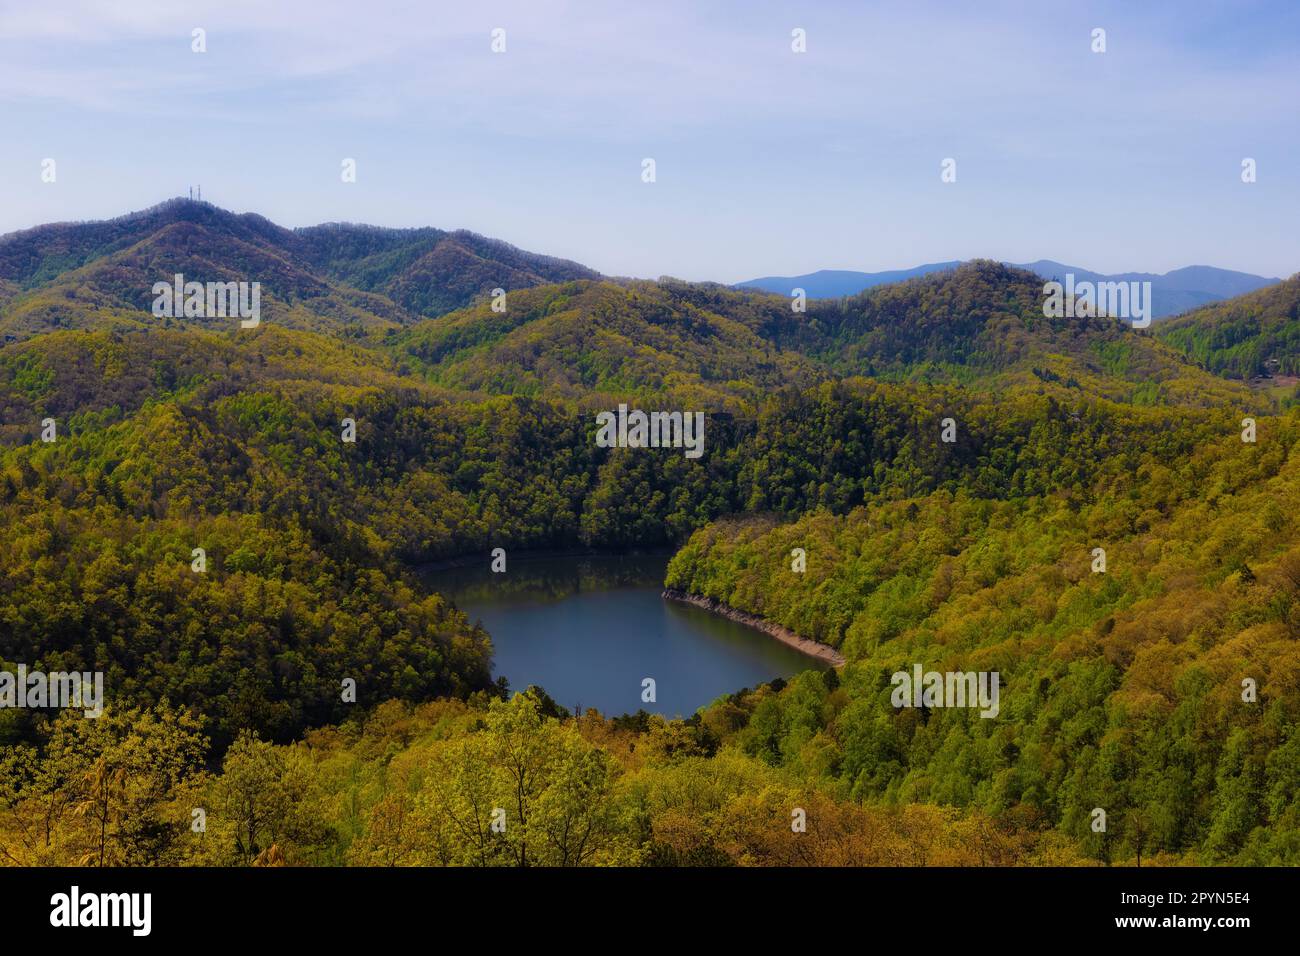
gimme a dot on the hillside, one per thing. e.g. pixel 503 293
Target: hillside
pixel 1120 689
pixel 340 278
pixel 567 334
pixel 595 341
pixel 1252 336
pixel 426 271
pixel 827 430
pixel 982 324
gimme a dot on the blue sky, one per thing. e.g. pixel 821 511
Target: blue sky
pixel 767 161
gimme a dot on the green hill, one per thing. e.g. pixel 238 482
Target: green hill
pixel 340 278
pixel 982 324
pixel 979 326
pixel 426 271
pixel 947 457
pixel 597 342
pixel 1254 336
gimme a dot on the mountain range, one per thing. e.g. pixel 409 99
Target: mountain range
pixel 421 301
pixel 1172 293
pixel 226 520
pixel 329 276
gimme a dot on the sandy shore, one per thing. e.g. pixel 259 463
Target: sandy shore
pixel 783 634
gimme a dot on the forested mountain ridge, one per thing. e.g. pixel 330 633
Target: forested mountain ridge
pixel 113 372
pixel 981 325
pixel 1125 685
pixel 279 396
pixel 333 277
pixel 116 290
pixel 186 436
pixel 1252 336
pixel 427 271
pixel 567 334
pixel 592 342
pixel 33 257
pixel 947 456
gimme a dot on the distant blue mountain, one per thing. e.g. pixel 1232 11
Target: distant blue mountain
pixel 833 283
pixel 1171 293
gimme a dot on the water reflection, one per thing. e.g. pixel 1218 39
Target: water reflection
pixel 591 629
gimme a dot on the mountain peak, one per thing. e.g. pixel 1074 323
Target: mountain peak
pixel 335 275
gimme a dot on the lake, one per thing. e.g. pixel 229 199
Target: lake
pixel 589 629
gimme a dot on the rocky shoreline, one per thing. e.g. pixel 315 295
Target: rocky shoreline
pixel 783 634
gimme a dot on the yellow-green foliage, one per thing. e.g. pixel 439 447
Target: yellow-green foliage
pixel 1121 689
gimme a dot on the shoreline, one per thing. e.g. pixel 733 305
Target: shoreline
pixel 471 559
pixel 782 633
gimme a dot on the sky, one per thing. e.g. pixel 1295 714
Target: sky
pixel 767 161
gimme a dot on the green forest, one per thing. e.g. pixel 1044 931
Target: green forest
pixel 1164 688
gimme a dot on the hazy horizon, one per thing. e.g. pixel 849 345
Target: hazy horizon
pixel 132 212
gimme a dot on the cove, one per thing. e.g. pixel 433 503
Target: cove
pixel 589 629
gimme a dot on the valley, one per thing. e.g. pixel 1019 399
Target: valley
pixel 926 547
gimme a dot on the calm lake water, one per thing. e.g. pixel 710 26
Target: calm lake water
pixel 589 629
